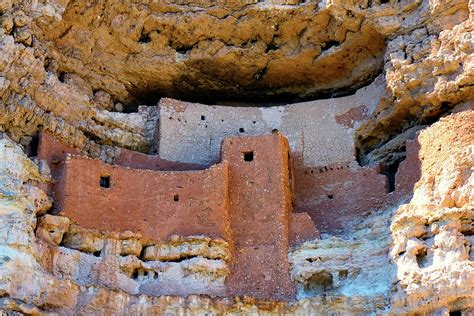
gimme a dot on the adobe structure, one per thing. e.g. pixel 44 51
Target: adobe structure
pixel 230 157
pixel 321 135
pixel 218 212
pixel 245 200
pixel 218 209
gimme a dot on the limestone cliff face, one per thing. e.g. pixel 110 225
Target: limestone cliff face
pixel 416 258
pixel 80 70
pixel 66 64
pixel 432 235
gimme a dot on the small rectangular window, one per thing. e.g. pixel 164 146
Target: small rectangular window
pixel 248 156
pixel 105 181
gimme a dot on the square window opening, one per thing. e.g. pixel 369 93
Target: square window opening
pixel 176 198
pixel 105 182
pixel 248 156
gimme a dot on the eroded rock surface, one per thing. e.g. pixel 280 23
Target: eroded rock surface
pixel 83 70
pixel 416 258
pixel 66 64
pixel 424 261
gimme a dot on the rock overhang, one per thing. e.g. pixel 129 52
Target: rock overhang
pixel 240 52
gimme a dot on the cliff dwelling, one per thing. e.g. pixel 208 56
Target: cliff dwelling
pixel 273 157
pixel 228 177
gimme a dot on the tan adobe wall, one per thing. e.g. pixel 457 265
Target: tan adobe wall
pixel 320 132
pixel 156 204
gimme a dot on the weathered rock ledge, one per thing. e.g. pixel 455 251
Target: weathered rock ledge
pixel 81 70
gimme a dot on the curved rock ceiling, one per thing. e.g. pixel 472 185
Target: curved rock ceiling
pixel 210 53
pixel 70 68
pixel 64 62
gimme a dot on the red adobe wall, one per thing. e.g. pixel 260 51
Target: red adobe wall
pixel 260 204
pixel 354 190
pixel 144 201
pixel 247 203
pixel 335 195
pixel 302 229
pixel 409 170
pixel 50 149
pixel 53 151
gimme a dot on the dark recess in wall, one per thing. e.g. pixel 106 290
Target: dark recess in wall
pixel 32 148
pixel 390 172
pixel 244 97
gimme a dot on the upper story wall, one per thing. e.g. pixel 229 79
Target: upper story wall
pixel 53 151
pixel 320 132
pixel 138 160
pixel 156 204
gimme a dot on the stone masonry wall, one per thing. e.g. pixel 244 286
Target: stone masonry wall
pixel 52 150
pixel 320 132
pixel 156 204
pixel 321 135
pixel 335 196
pixel 246 201
pixel 260 205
